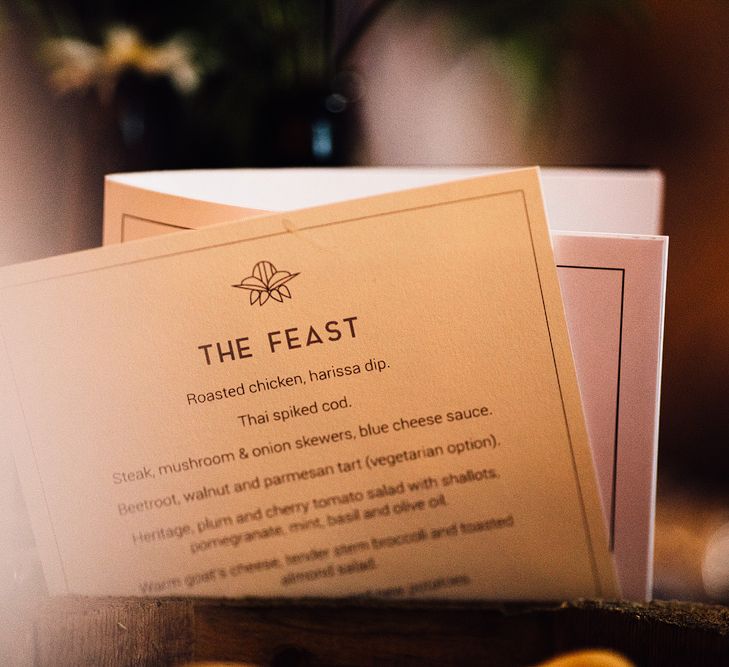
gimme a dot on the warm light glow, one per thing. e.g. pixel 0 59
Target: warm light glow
pixel 715 564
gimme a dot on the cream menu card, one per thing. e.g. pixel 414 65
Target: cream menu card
pixel 369 398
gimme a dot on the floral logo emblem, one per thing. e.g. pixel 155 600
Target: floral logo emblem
pixel 267 282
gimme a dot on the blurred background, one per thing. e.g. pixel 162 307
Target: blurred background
pixel 89 87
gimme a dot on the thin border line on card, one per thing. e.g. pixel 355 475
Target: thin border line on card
pixel 614 480
pixel 585 520
pixel 282 232
pixel 136 217
pixel 590 547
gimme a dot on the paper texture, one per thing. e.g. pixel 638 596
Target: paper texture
pixel 175 438
pixel 144 204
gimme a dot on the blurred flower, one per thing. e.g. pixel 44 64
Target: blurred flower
pixel 78 65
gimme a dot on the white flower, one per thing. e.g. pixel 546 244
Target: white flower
pixel 75 63
pixel 78 65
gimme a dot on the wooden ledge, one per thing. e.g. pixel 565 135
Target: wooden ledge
pixel 144 631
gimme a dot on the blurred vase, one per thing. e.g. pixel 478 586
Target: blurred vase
pixel 305 127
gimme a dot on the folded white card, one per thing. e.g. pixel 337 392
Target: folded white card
pixel 145 204
pixel 309 404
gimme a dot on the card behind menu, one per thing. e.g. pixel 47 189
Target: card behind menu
pixel 138 205
pixel 614 289
pixel 370 398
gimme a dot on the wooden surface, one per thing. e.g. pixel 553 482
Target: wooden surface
pixel 126 631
